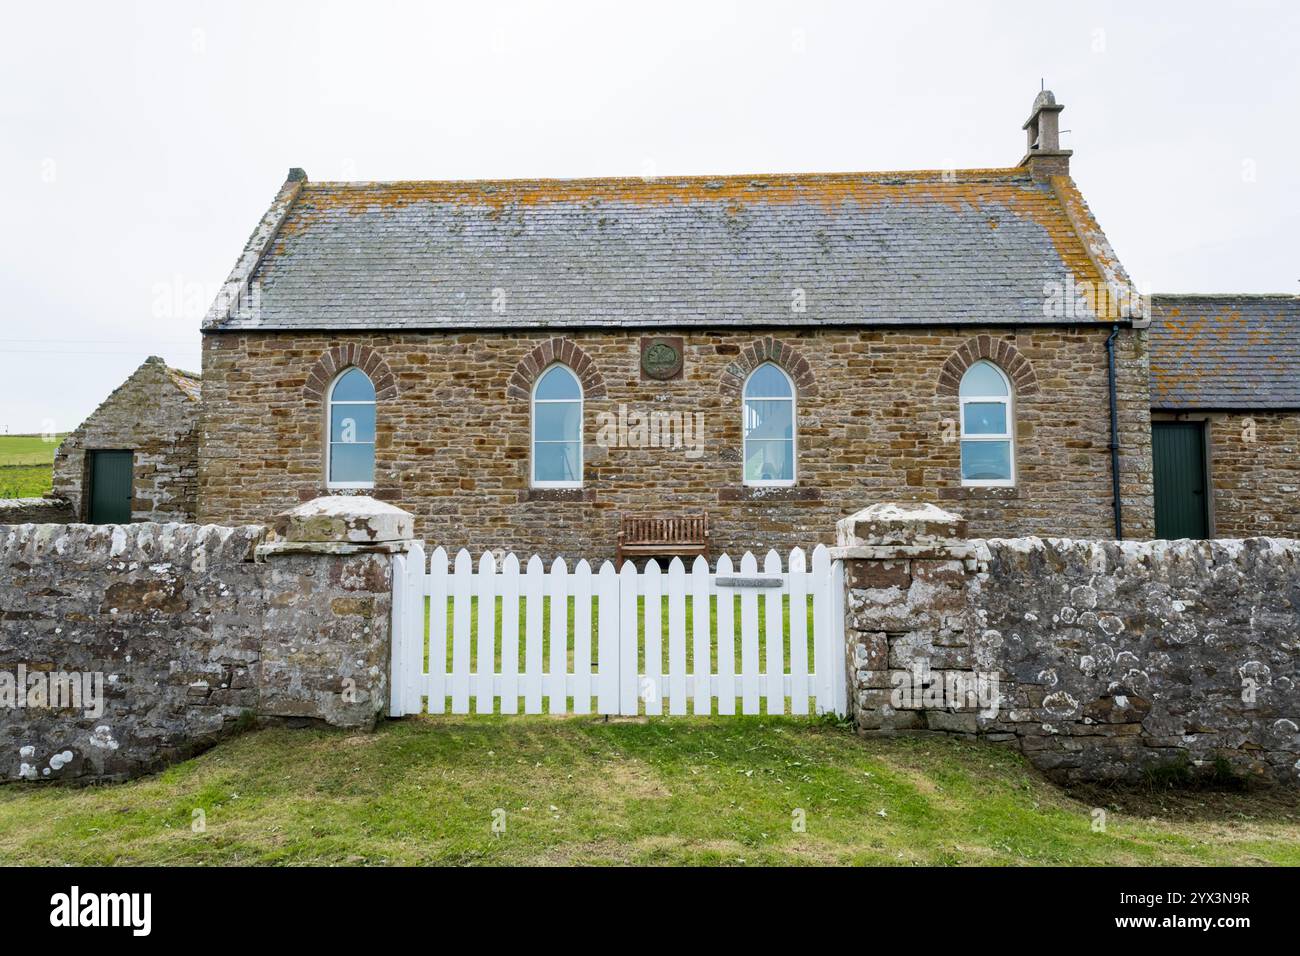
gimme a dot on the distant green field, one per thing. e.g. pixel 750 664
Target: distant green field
pixel 26 465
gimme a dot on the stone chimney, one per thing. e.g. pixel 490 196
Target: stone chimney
pixel 1043 154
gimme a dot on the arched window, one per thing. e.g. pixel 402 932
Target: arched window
pixel 987 429
pixel 557 429
pixel 769 427
pixel 351 455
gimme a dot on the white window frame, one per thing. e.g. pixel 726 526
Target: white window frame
pixel 329 434
pixel 533 401
pixel 1008 436
pixel 794 431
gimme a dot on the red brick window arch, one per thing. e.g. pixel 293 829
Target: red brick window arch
pixel 555 351
pixel 1001 352
pixel 334 360
pixel 768 350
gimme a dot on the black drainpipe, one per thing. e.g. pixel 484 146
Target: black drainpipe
pixel 1114 436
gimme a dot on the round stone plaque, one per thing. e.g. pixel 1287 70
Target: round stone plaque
pixel 661 358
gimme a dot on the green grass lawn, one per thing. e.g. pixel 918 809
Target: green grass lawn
pixel 689 618
pixel 26 465
pixel 584 790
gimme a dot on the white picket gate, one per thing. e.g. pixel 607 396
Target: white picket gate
pixel 616 653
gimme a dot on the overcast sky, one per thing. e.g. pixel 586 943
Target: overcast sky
pixel 141 142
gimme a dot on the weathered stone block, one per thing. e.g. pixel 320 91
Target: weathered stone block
pixel 878 575
pixel 917 647
pixel 908 523
pixel 950 722
pixel 870 651
pixel 356 519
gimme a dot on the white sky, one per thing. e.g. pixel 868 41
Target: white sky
pixel 140 143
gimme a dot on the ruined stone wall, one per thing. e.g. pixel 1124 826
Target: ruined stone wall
pixel 190 636
pixel 1255 474
pixel 1108 659
pixel 155 417
pixel 453 436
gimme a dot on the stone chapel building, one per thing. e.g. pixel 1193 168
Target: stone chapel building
pixel 462 349
pixel 520 363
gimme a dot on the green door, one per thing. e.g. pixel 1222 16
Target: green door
pixel 110 487
pixel 1178 456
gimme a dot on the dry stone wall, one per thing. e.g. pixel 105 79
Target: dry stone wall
pixel 183 633
pixel 1100 660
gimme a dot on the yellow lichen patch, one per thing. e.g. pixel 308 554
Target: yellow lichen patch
pixel 966 192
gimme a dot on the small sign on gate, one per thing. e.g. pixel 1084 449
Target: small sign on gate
pixel 747 582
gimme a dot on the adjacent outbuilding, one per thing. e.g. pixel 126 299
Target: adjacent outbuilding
pixel 136 457
pixel 1225 410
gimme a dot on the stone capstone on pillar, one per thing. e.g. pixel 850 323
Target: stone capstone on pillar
pixel 893 523
pixel 892 530
pixel 340 524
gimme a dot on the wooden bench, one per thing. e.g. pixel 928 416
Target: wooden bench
pixel 659 536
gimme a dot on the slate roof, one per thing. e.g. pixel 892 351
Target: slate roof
pixel 975 246
pixel 1225 352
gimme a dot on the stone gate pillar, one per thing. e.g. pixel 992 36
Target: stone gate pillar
pixel 909 619
pixel 326 635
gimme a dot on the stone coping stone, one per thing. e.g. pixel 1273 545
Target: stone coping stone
pixel 914 524
pixel 357 519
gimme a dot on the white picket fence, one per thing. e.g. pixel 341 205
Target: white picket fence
pixel 616 651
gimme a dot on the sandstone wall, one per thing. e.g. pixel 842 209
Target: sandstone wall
pixel 190 636
pixel 1109 659
pixel 1255 474
pixel 453 439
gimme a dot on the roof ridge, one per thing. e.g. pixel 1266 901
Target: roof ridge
pixel 924 175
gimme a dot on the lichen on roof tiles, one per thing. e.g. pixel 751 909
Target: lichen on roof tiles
pixel 865 248
pixel 1225 352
